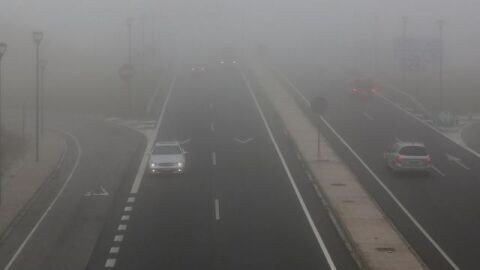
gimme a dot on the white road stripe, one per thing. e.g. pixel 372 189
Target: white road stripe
pixel 437 170
pixel 114 250
pixel 122 227
pixel 128 209
pixel 380 182
pixel 214 159
pixel 50 206
pixel 118 238
pixel 217 209
pixel 125 218
pixel 368 116
pixel 110 263
pixel 141 170
pixel 290 177
pixel 131 199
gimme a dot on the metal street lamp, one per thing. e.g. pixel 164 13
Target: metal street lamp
pixel 37 37
pixel 43 65
pixel 3 48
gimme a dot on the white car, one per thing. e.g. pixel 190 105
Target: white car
pixel 167 157
pixel 408 156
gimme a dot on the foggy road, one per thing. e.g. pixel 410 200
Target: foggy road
pixel 233 208
pixel 444 203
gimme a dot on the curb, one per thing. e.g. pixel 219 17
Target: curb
pixel 22 212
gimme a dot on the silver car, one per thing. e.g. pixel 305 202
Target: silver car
pixel 408 156
pixel 167 157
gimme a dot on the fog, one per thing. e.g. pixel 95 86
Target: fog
pixel 86 41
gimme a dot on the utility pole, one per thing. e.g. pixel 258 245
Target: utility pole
pixel 441 104
pixel 3 48
pixel 43 65
pixel 403 72
pixel 37 37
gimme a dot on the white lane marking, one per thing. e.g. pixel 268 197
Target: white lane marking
pixel 125 218
pixel 380 182
pixel 245 141
pixel 367 115
pixel 141 170
pixel 212 127
pixel 186 141
pixel 290 177
pixel 50 206
pixel 217 209
pixel 150 102
pixel 110 263
pixel 118 238
pixel 458 161
pixel 122 227
pixel 310 176
pixel 437 170
pixel 131 199
pixel 114 250
pixel 214 159
pixel 128 209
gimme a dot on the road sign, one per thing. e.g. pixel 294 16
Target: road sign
pixel 319 105
pixel 126 71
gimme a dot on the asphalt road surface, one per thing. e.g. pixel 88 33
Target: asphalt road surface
pixel 440 218
pixel 234 207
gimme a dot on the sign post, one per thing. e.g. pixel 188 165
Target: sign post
pixel 318 107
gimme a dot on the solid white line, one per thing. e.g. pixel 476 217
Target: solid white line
pixel 290 177
pixel 141 170
pixel 437 170
pixel 217 209
pixel 368 116
pixel 50 206
pixel 212 127
pixel 110 263
pixel 214 159
pixel 389 192
pixel 118 238
pixel 114 250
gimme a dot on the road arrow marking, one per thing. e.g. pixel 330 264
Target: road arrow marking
pixel 457 160
pixel 245 141
pixel 103 192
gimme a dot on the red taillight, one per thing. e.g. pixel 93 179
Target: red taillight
pixel 354 90
pixel 428 160
pixel 398 158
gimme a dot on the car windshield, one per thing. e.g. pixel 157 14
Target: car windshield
pixel 166 150
pixel 413 151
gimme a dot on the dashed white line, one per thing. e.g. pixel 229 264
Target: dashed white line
pixel 128 209
pixel 122 227
pixel 217 209
pixel 437 170
pixel 110 263
pixel 214 159
pixel 118 238
pixel 125 218
pixel 131 199
pixel 114 250
pixel 368 116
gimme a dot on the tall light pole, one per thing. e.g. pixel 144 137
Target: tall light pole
pixel 3 48
pixel 403 71
pixel 440 24
pixel 129 28
pixel 43 65
pixel 37 37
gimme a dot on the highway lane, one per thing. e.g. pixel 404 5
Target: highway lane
pixel 234 208
pixel 444 203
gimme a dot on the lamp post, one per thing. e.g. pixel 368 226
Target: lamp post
pixel 37 37
pixel 3 48
pixel 43 65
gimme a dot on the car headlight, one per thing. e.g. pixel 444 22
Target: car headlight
pixel 180 164
pixel 152 164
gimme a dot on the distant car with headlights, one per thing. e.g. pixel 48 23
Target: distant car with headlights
pixel 167 157
pixel 408 157
pixel 363 89
pixel 199 69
